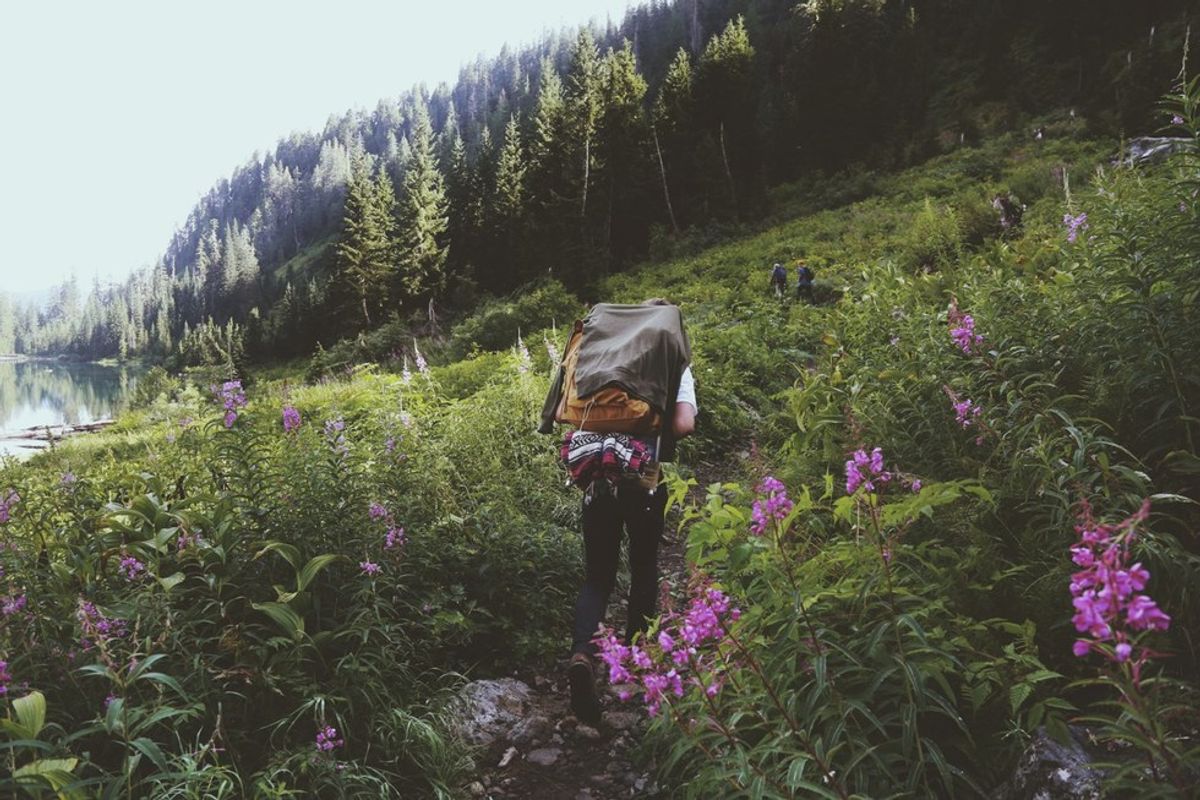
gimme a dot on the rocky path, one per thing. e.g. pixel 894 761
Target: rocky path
pixel 533 746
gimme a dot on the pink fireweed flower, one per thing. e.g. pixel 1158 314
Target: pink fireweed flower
pixel 687 651
pixel 552 351
pixel 962 331
pixel 232 398
pixel 369 568
pixel 131 569
pixel 8 501
pixel 5 678
pixel 394 537
pixel 916 486
pixel 772 504
pixel 95 627
pixel 405 374
pixel 422 364
pixel 291 419
pixel 335 437
pixel 13 604
pixel 965 412
pixel 1074 225
pixel 328 739
pixel 864 470
pixel 1106 591
pixel 376 511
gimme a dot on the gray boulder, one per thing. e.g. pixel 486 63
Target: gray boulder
pixel 1155 149
pixel 1049 770
pixel 488 711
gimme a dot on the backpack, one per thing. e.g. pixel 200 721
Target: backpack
pixel 804 275
pixel 779 274
pixel 609 410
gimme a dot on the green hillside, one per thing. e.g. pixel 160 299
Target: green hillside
pixel 199 596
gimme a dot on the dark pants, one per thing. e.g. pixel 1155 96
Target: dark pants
pixel 641 515
pixel 804 291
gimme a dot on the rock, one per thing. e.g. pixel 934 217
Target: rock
pixel 557 738
pixel 639 784
pixel 583 794
pixel 587 732
pixel 477 789
pixel 507 758
pixel 487 711
pixel 1049 770
pixel 544 756
pixel 622 720
pixel 530 730
pixel 1153 149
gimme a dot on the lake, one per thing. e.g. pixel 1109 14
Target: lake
pixel 35 393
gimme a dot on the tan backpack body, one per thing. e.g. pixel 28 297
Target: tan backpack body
pixel 609 410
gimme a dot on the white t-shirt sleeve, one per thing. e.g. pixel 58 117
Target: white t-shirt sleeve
pixel 687 388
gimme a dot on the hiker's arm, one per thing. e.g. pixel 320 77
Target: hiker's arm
pixel 685 420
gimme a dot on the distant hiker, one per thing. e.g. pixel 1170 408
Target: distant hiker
pixel 1010 212
pixel 779 279
pixel 1039 133
pixel 625 385
pixel 804 282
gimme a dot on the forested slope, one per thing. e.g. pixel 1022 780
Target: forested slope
pixel 582 154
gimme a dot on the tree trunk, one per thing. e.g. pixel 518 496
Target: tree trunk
pixel 662 170
pixel 587 168
pixel 728 173
pixel 366 315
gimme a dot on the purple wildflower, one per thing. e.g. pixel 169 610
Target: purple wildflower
pixel 773 504
pixel 1176 120
pixel 916 485
pixel 335 437
pixel 369 568
pixel 12 604
pixel 1075 225
pixel 1106 592
pixel 67 480
pixel 962 331
pixel 863 470
pixel 130 568
pixel 394 537
pixel 291 419
pixel 524 360
pixel 327 739
pixel 376 511
pixel 422 364
pixel 232 398
pixel 97 628
pixel 5 678
pixel 965 412
pixel 7 503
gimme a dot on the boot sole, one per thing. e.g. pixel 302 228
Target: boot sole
pixel 584 703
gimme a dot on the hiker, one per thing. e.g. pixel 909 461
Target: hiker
pixel 618 467
pixel 804 282
pixel 1010 212
pixel 778 279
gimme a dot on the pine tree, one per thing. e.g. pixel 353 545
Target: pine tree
pixel 506 209
pixel 622 149
pixel 365 253
pixel 724 94
pixel 583 109
pixel 673 133
pixel 423 215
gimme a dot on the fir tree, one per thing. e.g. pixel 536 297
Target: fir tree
pixel 423 215
pixel 365 253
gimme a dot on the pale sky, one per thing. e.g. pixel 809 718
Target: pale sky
pixel 115 117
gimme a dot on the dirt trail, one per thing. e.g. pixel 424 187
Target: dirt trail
pixel 560 758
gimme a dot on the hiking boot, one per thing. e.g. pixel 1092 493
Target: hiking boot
pixel 582 677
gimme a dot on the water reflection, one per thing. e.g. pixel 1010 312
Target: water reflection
pixel 35 393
